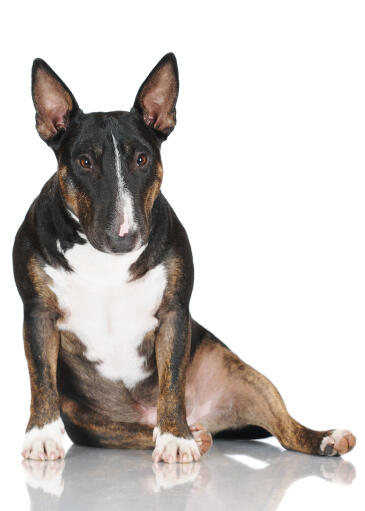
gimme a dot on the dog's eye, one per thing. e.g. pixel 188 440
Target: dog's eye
pixel 141 160
pixel 85 162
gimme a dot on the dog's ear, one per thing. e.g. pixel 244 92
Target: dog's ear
pixel 53 101
pixel 156 98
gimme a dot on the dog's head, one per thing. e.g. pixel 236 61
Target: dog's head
pixel 109 164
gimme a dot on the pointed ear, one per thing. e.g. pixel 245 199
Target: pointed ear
pixel 156 98
pixel 53 101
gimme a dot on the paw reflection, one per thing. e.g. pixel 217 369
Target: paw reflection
pixel 340 472
pixel 255 473
pixel 170 475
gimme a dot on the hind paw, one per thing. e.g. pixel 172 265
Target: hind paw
pixel 202 437
pixel 339 441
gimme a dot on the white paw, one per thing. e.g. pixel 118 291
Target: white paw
pixel 339 441
pixel 172 449
pixel 44 443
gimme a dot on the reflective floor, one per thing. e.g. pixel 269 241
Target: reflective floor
pixel 233 475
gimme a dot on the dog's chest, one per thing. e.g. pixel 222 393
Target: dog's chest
pixel 109 314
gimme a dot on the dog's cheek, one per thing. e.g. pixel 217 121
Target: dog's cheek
pixel 78 203
pixel 152 192
pixel 68 191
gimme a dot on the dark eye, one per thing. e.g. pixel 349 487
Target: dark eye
pixel 141 160
pixel 85 162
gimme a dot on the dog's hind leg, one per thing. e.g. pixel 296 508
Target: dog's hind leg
pixel 224 393
pixel 89 428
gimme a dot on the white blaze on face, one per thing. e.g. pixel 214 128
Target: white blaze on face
pixel 124 199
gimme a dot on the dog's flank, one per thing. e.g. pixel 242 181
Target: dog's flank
pixel 105 271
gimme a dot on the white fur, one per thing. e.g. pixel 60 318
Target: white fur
pixel 48 438
pixel 72 214
pixel 118 165
pixel 80 233
pixel 168 445
pixel 107 312
pixel 124 197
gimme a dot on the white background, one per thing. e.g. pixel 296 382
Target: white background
pixel 265 169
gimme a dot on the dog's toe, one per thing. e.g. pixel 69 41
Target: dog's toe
pixel 44 449
pixel 338 442
pixel 44 443
pixel 172 449
pixel 202 438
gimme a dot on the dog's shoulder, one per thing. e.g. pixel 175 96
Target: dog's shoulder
pixel 46 231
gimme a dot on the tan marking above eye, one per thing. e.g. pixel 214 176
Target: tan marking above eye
pixel 85 162
pixel 141 160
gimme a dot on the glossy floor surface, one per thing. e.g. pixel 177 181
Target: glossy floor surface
pixel 245 475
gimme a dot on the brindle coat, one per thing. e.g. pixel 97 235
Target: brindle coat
pixel 193 376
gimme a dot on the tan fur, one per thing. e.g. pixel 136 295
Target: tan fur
pixel 44 406
pixel 152 191
pixel 41 282
pixel 174 276
pixel 77 200
pixel 106 433
pixel 171 416
pixel 238 396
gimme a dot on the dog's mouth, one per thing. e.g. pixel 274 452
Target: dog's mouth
pixel 116 244
pixel 114 239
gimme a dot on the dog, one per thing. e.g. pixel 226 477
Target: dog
pixel 104 269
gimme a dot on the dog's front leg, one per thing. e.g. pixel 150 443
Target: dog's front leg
pixel 43 437
pixel 174 441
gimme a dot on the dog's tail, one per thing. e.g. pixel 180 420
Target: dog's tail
pixel 245 433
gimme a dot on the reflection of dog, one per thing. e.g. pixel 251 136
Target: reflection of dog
pixel 93 477
pixel 105 272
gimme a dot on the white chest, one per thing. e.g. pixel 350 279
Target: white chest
pixel 109 314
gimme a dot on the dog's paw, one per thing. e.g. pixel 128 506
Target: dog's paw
pixel 202 438
pixel 172 449
pixel 338 442
pixel 44 443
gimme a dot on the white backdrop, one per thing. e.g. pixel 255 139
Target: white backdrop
pixel 265 169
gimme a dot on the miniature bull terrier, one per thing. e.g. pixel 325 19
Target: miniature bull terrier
pixel 105 271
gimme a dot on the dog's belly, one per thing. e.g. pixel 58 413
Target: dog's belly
pixel 107 313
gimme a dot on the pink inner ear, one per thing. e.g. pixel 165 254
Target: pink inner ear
pixel 58 115
pixel 152 110
pixel 155 113
pixel 53 104
pixel 55 119
pixel 158 100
